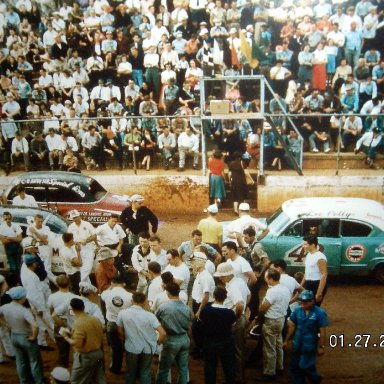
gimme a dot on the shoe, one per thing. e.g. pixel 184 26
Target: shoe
pixel 327 150
pixel 166 167
pixel 46 348
pixel 314 150
pixel 147 169
pixel 52 168
pixel 181 169
pixel 266 378
pixel 195 167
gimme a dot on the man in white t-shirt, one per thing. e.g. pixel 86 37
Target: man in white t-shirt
pixel 315 276
pixel 111 234
pixel 158 254
pixel 179 270
pixel 241 267
pixel 70 256
pixel 245 220
pixel 11 236
pixel 273 310
pixel 24 199
pixel 116 298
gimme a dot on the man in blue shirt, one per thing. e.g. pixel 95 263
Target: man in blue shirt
pixel 304 326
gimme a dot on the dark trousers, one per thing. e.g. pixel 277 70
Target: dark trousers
pixel 313 285
pixel 223 350
pixel 75 281
pixel 254 303
pixel 138 365
pixel 63 349
pixel 117 347
pixel 302 367
pixel 13 252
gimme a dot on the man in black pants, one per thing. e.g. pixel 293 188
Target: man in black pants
pixel 218 342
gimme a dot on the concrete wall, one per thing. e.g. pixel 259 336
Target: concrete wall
pixel 277 189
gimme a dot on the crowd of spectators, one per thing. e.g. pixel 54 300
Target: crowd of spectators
pixel 85 69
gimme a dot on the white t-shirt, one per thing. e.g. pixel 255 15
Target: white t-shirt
pixel 203 283
pixel 10 231
pixel 312 271
pixel 28 201
pixel 244 222
pixel 162 298
pixel 237 292
pixel 161 259
pixel 116 299
pixel 279 297
pixel 240 266
pixel 55 300
pixel 289 282
pixel 67 254
pixel 108 236
pixel 180 272
pixel 154 288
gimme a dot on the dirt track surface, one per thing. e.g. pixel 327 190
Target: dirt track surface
pixel 355 307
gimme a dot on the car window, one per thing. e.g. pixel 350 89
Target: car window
pixel 12 193
pixel 354 229
pixel 37 192
pixel 321 227
pixel 96 190
pixel 62 195
pixel 277 221
pixel 295 229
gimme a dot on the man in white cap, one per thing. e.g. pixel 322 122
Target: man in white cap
pixel 24 332
pixel 60 375
pixel 202 294
pixel 136 219
pixel 84 234
pixel 237 227
pixel 211 229
pixel 238 295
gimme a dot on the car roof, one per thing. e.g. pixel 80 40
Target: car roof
pixel 366 210
pixel 18 211
pixel 74 181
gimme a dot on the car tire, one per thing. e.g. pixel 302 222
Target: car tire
pixel 379 273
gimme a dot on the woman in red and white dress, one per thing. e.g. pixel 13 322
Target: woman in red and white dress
pixel 319 73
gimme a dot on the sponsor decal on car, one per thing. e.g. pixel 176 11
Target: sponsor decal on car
pixel 355 253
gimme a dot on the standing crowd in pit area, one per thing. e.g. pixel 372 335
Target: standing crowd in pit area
pixel 199 299
pixel 63 62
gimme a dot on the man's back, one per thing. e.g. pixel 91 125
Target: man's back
pixel 88 333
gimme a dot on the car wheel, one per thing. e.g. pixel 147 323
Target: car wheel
pixel 379 273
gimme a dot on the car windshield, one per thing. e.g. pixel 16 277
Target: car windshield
pixel 277 221
pixel 56 225
pixel 97 190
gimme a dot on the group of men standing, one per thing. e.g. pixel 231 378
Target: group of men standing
pixel 222 280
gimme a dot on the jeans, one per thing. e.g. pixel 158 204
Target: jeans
pixel 13 252
pixel 28 359
pixel 273 345
pixel 138 364
pixel 117 347
pixel 302 366
pixel 175 348
pixel 223 350
pixel 63 348
pixel 313 140
pixel 137 77
pixel 352 56
pixel 88 368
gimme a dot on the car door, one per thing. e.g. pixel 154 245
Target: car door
pixel 289 244
pixel 357 247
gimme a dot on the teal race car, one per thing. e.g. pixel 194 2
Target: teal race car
pixel 350 233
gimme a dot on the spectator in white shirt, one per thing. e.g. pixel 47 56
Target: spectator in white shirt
pixel 187 143
pixel 23 199
pixel 20 148
pixel 55 147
